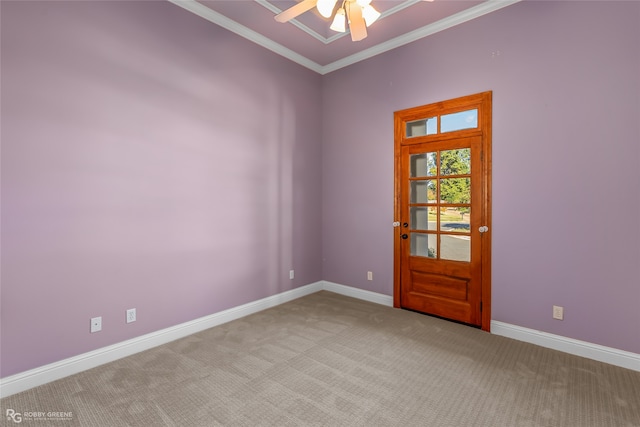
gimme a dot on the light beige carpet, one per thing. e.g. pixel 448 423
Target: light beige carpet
pixel 330 360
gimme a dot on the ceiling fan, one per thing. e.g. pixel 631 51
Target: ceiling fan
pixel 359 13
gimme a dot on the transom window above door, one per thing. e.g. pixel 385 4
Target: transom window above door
pixel 444 123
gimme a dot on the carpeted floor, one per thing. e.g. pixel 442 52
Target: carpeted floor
pixel 331 360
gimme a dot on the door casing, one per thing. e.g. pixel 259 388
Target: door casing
pixel 482 102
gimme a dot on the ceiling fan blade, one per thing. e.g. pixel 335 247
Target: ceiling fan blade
pixel 295 10
pixel 356 22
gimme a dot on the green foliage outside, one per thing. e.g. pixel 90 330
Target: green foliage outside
pixel 452 190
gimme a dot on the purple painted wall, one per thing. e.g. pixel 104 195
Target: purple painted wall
pixel 150 159
pixel 566 160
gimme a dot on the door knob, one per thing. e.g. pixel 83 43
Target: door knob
pixel 483 229
pixel 405 236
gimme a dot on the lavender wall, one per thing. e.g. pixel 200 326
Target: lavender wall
pixel 566 160
pixel 153 160
pixel 150 159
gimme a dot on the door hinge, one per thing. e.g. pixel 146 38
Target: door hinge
pixel 481 306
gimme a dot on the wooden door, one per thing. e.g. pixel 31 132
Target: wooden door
pixel 442 245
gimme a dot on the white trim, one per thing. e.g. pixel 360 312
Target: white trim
pixel 276 10
pixel 221 20
pixel 358 293
pixel 73 365
pixel 451 21
pixel 324 40
pixel 597 352
pixel 327 40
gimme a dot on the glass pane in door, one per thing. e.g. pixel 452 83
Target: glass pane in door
pixel 455 190
pixel 422 127
pixel 440 204
pixel 419 218
pixel 455 248
pixel 458 121
pixel 424 245
pixel 455 162
pixel 423 164
pixel 423 191
pixel 456 219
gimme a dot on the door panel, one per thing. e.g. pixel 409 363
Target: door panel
pixel 453 288
pixel 442 259
pixel 441 273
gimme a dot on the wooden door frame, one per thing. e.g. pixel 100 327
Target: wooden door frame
pixel 483 102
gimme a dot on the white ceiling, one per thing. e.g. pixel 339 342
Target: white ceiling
pixel 308 40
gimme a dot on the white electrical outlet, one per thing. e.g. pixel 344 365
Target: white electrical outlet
pixel 131 315
pixel 558 312
pixel 291 274
pixel 369 275
pixel 96 324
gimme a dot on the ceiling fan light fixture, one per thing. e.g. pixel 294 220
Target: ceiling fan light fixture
pixel 370 15
pixel 339 23
pixel 356 14
pixel 325 7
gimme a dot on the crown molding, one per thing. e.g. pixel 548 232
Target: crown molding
pixel 327 40
pixel 451 21
pixel 231 25
pixel 276 10
pixel 212 16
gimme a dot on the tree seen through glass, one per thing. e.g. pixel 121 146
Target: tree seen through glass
pixel 452 162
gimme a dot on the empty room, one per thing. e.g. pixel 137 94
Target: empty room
pixel 321 212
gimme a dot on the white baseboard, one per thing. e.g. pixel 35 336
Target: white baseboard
pixel 589 350
pixel 73 365
pixel 358 293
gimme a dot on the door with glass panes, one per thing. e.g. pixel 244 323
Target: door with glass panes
pixel 442 213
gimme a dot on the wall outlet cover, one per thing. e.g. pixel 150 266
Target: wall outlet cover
pixel 558 312
pixel 96 324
